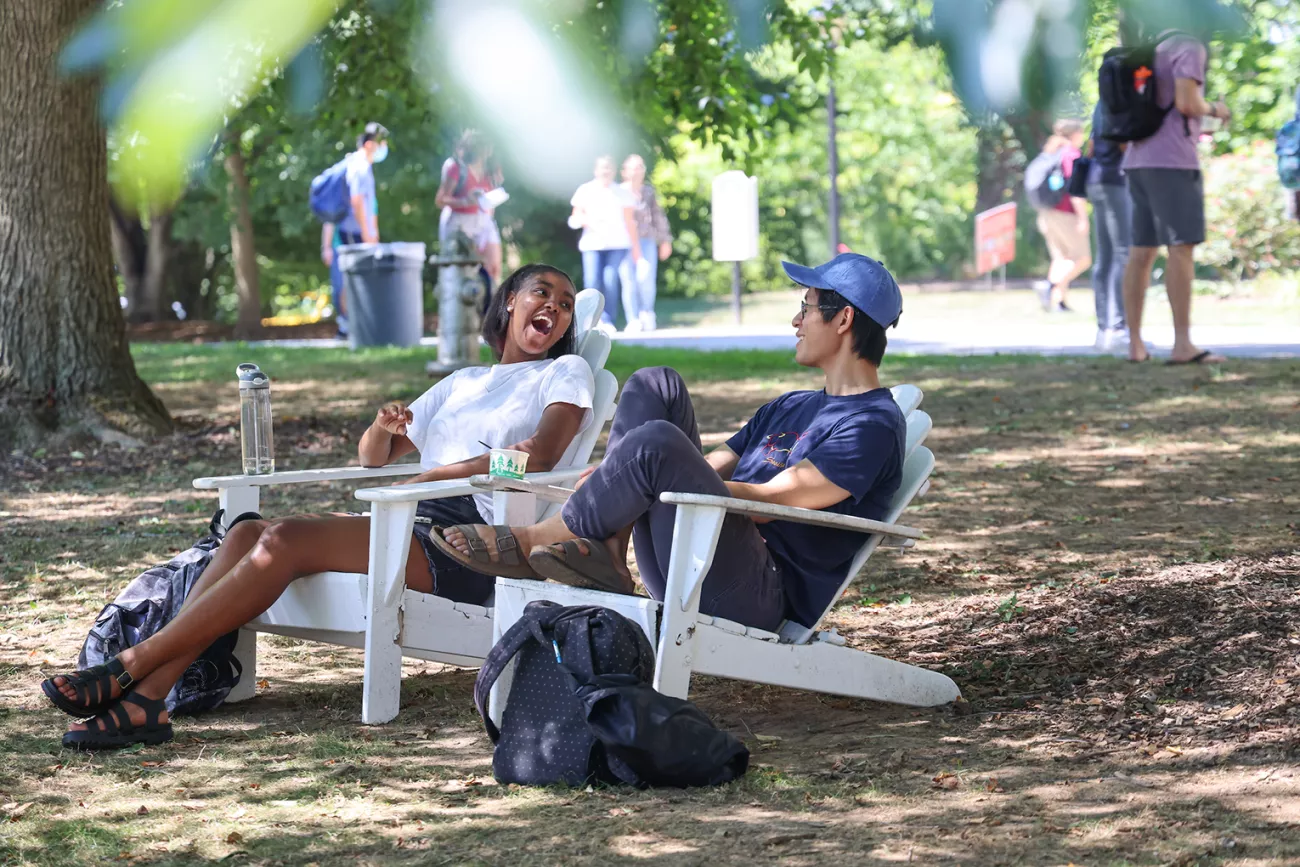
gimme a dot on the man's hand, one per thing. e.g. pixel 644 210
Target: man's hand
pixel 665 250
pixel 1221 111
pixel 327 256
pixel 394 417
pixel 582 479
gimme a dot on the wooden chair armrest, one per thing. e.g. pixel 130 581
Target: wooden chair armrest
pixel 414 493
pixel 792 513
pixel 543 485
pixel 296 477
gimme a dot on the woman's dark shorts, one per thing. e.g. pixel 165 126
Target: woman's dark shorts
pixel 450 579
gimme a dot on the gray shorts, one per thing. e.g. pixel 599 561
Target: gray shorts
pixel 1168 207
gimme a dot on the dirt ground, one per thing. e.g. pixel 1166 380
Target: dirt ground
pixel 1111 575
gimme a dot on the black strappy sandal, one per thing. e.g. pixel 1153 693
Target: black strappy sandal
pixel 113 728
pixel 94 687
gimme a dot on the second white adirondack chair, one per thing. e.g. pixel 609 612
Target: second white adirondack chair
pixel 797 656
pixel 375 611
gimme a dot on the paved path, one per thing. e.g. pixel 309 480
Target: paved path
pixel 1236 341
pixel 952 339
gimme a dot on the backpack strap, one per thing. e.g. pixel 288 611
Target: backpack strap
pixel 502 653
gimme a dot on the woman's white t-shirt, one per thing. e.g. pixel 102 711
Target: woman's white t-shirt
pixel 500 405
pixel 606 227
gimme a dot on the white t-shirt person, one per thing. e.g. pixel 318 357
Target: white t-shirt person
pixel 603 205
pixel 499 405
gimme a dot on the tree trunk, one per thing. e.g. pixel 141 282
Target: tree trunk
pixel 1000 164
pixel 65 365
pixel 130 249
pixel 243 249
pixel 157 258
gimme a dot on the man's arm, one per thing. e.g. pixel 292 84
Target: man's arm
pixel 368 235
pixel 723 460
pixel 327 244
pixel 802 486
pixel 1190 101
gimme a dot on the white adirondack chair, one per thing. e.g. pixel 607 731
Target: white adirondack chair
pixel 796 656
pixel 375 610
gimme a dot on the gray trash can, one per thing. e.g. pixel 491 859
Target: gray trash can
pixel 385 291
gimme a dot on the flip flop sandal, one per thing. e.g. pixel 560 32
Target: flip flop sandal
pixel 1199 358
pixel 509 563
pixel 94 688
pixel 113 728
pixel 567 564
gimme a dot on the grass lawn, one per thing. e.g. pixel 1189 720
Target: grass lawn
pixel 1111 576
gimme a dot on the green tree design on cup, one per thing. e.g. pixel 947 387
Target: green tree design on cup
pixel 507 463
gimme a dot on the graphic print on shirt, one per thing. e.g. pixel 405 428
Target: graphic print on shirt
pixel 778 447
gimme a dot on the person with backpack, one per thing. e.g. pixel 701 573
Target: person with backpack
pixel 536 399
pixel 466 175
pixel 1153 96
pixel 1110 215
pixel 837 449
pixel 343 197
pixel 1062 218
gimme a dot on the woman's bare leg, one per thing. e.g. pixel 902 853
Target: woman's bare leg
pixel 491 258
pixel 284 551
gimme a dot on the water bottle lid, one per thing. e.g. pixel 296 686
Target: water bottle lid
pixel 250 376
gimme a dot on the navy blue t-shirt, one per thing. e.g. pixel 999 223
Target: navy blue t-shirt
pixel 856 442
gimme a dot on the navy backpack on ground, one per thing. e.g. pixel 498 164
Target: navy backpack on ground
pixel 1045 180
pixel 329 199
pixel 148 604
pixel 582 709
pixel 1126 86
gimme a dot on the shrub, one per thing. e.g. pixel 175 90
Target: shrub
pixel 1248 232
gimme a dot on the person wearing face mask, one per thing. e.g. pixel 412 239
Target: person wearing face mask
pixel 361 225
pixel 606 213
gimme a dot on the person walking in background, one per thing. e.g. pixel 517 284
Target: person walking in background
pixel 656 245
pixel 1064 225
pixel 605 211
pixel 1110 216
pixel 361 225
pixel 466 175
pixel 1165 189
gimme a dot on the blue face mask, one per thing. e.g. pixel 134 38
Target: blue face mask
pixel 381 152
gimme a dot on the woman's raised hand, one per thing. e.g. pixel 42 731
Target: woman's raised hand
pixel 394 417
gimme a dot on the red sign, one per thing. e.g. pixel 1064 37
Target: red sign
pixel 995 237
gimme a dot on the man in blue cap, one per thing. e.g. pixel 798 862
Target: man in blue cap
pixel 838 449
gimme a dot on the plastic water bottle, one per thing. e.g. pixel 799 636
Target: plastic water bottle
pixel 255 420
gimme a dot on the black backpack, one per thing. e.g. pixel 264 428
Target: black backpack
pixel 582 709
pixel 1045 180
pixel 1126 85
pixel 148 604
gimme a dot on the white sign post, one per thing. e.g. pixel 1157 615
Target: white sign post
pixel 735 225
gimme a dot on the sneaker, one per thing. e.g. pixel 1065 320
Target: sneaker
pixel 1104 340
pixel 1044 291
pixel 632 327
pixel 1063 308
pixel 648 321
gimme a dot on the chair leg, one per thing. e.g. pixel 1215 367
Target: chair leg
pixel 695 539
pixel 390 542
pixel 237 501
pixel 246 653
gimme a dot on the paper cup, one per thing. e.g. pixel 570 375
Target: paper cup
pixel 507 463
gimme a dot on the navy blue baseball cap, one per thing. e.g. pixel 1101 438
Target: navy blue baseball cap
pixel 866 284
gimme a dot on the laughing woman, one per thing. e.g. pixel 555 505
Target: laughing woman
pixel 536 399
